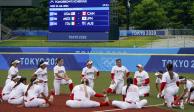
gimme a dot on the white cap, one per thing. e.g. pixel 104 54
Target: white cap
pixel 15 61
pixel 45 63
pixel 89 62
pixel 158 73
pixel 17 77
pixel 139 65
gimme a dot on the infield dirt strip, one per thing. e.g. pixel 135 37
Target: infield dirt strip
pixel 59 106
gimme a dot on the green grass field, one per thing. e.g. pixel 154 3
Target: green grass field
pixel 100 84
pixel 32 41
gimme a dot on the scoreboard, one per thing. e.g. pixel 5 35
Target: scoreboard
pixel 79 15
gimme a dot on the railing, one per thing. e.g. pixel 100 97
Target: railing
pixel 180 41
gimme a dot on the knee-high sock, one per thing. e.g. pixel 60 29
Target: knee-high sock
pixel 71 86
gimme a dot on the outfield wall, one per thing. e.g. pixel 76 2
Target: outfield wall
pixel 104 58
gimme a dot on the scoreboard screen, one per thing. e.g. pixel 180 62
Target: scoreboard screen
pixel 79 15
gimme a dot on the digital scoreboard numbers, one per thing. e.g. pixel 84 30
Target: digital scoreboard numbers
pixel 79 15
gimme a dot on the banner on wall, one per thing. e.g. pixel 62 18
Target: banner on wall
pixel 152 63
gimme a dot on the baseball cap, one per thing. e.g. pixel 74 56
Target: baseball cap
pixel 45 63
pixel 89 62
pixel 15 61
pixel 159 73
pixel 17 77
pixel 139 65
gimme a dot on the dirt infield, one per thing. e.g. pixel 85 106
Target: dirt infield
pixel 59 106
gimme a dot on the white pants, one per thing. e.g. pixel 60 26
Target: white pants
pixel 45 88
pixel 37 102
pixel 170 92
pixel 57 84
pixel 126 105
pixel 117 86
pixel 91 83
pixel 5 97
pixel 144 90
pixel 82 104
pixel 16 101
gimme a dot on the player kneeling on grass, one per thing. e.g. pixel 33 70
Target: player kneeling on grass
pixel 141 79
pixel 61 77
pixel 89 71
pixel 158 83
pixel 170 81
pixel 8 87
pixel 117 75
pixel 13 70
pixel 188 93
pixel 80 97
pixel 42 75
pixel 130 97
pixel 17 94
pixel 33 93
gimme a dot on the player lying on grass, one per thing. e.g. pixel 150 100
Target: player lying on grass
pixel 17 94
pixel 81 94
pixel 32 95
pixel 89 71
pixel 158 83
pixel 130 97
pixel 141 79
pixel 170 81
pixel 13 71
pixel 188 93
pixel 42 75
pixel 117 75
pixel 8 87
pixel 61 77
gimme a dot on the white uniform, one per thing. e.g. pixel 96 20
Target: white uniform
pixel 42 75
pixel 7 90
pixel 189 84
pixel 141 77
pixel 12 72
pixel 60 70
pixel 119 73
pixel 89 73
pixel 171 88
pixel 80 100
pixel 32 100
pixel 17 94
pixel 132 99
pixel 159 81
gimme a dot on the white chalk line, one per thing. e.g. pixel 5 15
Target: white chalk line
pixel 112 110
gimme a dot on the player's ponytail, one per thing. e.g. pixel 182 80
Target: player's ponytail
pixel 129 82
pixel 30 85
pixel 169 68
pixel 22 79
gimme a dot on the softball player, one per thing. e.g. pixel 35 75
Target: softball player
pixel 141 79
pixel 80 97
pixel 8 87
pixel 61 77
pixel 13 70
pixel 32 93
pixel 188 90
pixel 17 94
pixel 89 71
pixel 41 73
pixel 131 97
pixel 117 75
pixel 158 82
pixel 170 81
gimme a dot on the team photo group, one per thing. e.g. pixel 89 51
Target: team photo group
pixel 17 91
